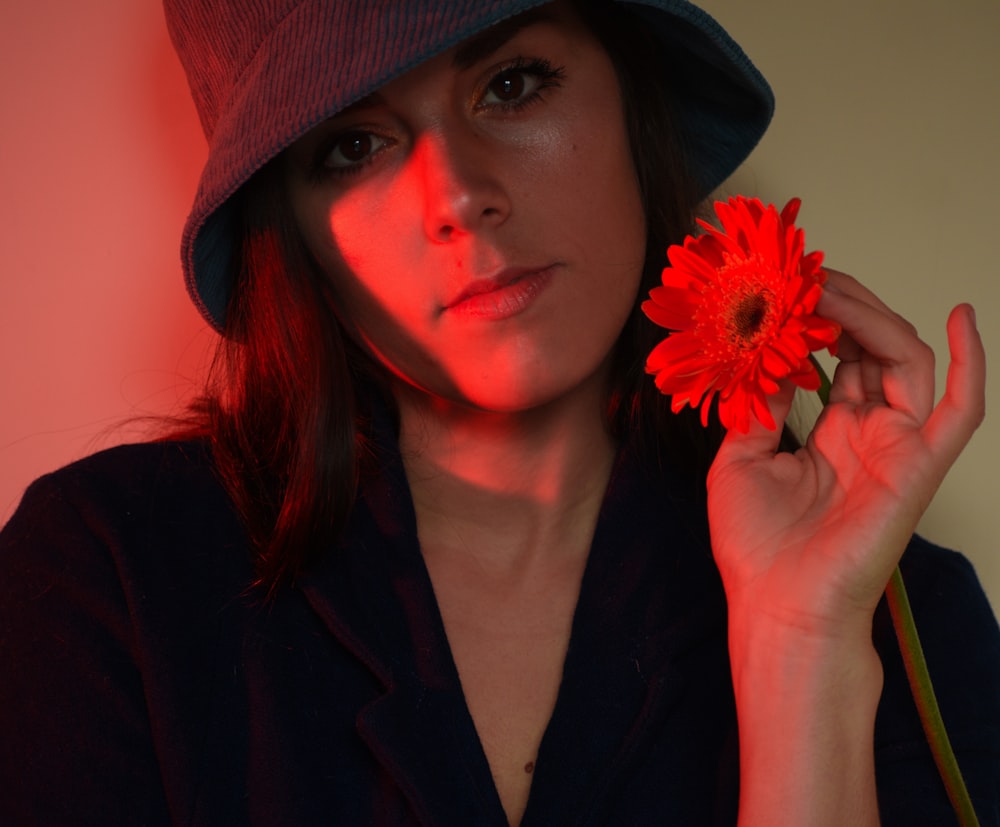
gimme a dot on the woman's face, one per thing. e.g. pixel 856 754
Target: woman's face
pixel 480 216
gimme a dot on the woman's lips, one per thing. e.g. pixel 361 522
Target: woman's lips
pixel 500 297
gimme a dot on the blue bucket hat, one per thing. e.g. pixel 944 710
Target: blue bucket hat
pixel 264 73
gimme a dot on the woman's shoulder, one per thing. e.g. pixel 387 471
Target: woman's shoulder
pixel 120 578
pixel 122 479
pixel 961 641
pixel 945 593
pixel 141 509
pixel 130 468
pixel 926 562
pixel 951 610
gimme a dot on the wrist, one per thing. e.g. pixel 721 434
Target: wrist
pixel 806 713
pixel 781 670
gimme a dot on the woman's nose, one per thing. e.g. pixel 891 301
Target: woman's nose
pixel 462 193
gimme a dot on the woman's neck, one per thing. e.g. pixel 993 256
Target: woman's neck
pixel 511 490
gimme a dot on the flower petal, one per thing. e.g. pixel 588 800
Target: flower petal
pixel 741 296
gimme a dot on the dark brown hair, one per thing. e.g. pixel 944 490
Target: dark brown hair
pixel 285 407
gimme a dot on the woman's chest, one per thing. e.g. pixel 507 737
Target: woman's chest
pixel 509 650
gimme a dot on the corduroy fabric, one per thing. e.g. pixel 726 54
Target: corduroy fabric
pixel 264 72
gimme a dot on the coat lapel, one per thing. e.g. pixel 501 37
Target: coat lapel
pixel 375 596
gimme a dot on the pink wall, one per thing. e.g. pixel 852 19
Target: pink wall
pixel 101 152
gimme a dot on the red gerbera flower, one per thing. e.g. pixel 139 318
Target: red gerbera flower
pixel 741 302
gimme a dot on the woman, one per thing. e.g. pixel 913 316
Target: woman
pixel 434 550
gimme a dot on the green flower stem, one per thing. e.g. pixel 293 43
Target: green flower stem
pixel 927 706
pixel 919 677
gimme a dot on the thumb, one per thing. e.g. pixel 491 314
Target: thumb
pixel 759 440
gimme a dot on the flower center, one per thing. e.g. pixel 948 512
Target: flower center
pixel 748 314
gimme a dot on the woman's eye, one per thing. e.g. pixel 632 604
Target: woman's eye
pixel 510 85
pixel 353 149
pixel 520 83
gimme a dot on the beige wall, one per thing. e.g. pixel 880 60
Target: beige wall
pixel 887 127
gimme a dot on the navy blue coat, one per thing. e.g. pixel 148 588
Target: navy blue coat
pixel 143 682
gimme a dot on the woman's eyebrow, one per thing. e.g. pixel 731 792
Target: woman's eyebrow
pixel 483 45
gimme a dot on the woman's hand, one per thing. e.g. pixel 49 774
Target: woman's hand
pixel 806 543
pixel 810 539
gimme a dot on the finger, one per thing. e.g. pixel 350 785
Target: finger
pixel 858 380
pixel 895 365
pixel 759 440
pixel 839 282
pixel 963 405
pixel 847 349
pixel 847 384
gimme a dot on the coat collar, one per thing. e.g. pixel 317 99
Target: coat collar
pixel 649 596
